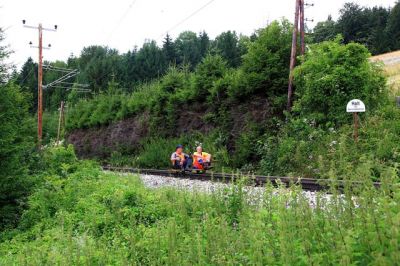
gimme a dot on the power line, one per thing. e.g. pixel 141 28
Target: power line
pixel 118 24
pixel 27 75
pixel 172 28
pixel 7 28
pixel 121 19
pixel 188 17
pixel 70 74
pixel 56 69
pixel 74 84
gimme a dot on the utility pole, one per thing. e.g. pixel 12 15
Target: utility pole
pixel 40 84
pixel 302 28
pixel 40 75
pixel 298 19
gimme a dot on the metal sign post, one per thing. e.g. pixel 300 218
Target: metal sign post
pixel 355 106
pixel 355 121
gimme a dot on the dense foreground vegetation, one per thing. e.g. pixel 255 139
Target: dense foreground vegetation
pixel 81 215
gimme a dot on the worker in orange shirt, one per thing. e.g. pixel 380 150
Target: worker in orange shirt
pixel 201 160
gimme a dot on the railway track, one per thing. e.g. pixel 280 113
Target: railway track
pixel 307 184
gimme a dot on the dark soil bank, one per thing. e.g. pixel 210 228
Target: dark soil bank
pixel 103 140
pixel 126 135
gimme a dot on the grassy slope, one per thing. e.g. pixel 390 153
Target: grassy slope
pixel 391 63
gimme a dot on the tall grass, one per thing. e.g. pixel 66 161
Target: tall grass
pixel 393 73
pixel 392 70
pixel 95 218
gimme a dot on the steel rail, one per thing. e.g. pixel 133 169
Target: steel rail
pixel 307 184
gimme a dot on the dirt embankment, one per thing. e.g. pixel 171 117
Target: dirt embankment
pixel 101 141
pixel 126 135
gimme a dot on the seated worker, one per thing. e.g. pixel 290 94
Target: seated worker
pixel 179 159
pixel 201 160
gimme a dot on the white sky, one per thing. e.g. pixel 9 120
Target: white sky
pixel 122 24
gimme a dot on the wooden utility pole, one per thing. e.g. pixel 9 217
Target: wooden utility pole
pixel 60 122
pixel 40 88
pixel 302 29
pixel 40 76
pixel 298 19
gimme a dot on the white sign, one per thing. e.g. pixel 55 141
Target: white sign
pixel 355 106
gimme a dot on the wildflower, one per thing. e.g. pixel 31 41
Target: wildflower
pixel 333 143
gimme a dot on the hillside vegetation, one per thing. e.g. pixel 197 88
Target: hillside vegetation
pixel 215 105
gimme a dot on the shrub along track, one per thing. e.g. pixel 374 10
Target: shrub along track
pixel 307 184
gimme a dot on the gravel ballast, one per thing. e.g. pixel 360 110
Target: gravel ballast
pixel 254 194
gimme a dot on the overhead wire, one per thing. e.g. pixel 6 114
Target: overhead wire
pixel 7 28
pixel 117 26
pixel 27 75
pixel 188 17
pixel 195 12
pixel 63 78
pixel 121 19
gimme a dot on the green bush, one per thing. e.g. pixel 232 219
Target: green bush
pixel 211 69
pixel 246 148
pixel 155 153
pixel 302 148
pixel 331 75
pixel 111 106
pixel 265 65
pixel 50 126
pixel 232 85
pixel 174 80
pixel 59 160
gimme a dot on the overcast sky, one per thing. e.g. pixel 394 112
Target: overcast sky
pixel 122 24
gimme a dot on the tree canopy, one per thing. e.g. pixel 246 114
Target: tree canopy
pixel 377 28
pixel 16 144
pixel 4 52
pixel 263 60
